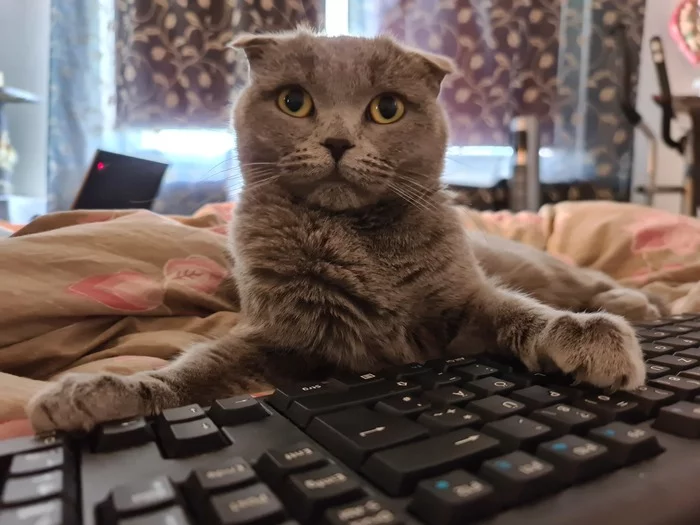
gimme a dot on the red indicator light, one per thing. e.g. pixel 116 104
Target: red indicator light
pixel 100 166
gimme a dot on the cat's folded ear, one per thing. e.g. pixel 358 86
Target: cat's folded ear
pixel 254 46
pixel 439 65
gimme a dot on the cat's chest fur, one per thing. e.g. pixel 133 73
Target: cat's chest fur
pixel 352 284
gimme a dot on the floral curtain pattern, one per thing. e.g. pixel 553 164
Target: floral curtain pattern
pixel 175 66
pixel 124 80
pixel 553 59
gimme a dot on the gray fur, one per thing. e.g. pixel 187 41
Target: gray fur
pixel 363 264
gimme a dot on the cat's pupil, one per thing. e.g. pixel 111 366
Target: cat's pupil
pixel 387 107
pixel 294 100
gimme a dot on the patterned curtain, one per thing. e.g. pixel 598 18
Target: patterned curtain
pixel 153 79
pixel 553 59
pixel 175 66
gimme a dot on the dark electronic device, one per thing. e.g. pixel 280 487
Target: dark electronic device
pixel 524 183
pixel 119 182
pixel 449 442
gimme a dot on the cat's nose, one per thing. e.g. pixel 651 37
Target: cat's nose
pixel 337 147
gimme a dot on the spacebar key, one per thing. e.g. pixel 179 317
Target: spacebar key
pixel 397 470
pixel 304 409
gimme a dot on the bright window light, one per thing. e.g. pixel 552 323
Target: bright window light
pixel 337 19
pixel 188 142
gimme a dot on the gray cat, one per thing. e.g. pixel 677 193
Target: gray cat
pixel 347 256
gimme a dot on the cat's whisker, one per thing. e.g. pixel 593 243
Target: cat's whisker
pixel 408 198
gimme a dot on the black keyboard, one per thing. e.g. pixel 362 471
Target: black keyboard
pixel 447 442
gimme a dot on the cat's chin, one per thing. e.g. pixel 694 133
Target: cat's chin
pixel 339 196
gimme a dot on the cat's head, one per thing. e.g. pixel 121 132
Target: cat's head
pixel 341 122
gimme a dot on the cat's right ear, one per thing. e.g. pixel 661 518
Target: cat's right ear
pixel 254 46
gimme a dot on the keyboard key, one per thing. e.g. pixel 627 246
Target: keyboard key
pixel 654 371
pixel 191 438
pixel 651 350
pixel 627 444
pixel 46 513
pixel 475 371
pixel 693 353
pixel 680 317
pixel 447 419
pixel 455 498
pixel 651 324
pixel 684 387
pixel 407 371
pixel 254 504
pixel 524 379
pixel 398 470
pixel 489 386
pixel 139 497
pixel 405 406
pixel 283 397
pixel 309 494
pixel 122 434
pixel 32 488
pixel 345 381
pixel 275 465
pixel 574 458
pixel 675 362
pixel 237 410
pixel 34 462
pixel 679 343
pixel 181 414
pixel 694 325
pixel 685 331
pixel 693 373
pixel 565 419
pixel 680 419
pixel 434 380
pixel 449 395
pixel 612 407
pixel 304 409
pixel 534 397
pixel 369 511
pixel 170 516
pixel 223 475
pixel 495 407
pixel 443 365
pixel 653 335
pixel 353 434
pixel 519 477
pixel 517 432
pixel 650 400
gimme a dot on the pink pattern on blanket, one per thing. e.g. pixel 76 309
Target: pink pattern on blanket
pixel 125 291
pixel 643 276
pixel 658 231
pixel 196 272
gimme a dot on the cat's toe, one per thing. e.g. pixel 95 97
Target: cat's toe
pixel 599 349
pixel 81 401
pixel 633 305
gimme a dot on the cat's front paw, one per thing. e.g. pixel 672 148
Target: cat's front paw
pixel 631 304
pixel 81 401
pixel 599 349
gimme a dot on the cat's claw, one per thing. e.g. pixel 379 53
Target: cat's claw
pixel 599 349
pixel 78 402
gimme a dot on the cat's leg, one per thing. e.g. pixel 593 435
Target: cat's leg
pixel 235 364
pixel 559 284
pixel 597 348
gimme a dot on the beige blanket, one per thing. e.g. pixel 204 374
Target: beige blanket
pixel 124 291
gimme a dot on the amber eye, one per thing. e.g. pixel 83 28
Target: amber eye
pixel 295 101
pixel 386 109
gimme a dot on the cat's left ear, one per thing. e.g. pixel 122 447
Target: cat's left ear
pixel 439 65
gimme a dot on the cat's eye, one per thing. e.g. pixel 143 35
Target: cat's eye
pixel 386 109
pixel 295 101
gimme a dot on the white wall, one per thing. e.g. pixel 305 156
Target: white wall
pixel 681 76
pixel 24 59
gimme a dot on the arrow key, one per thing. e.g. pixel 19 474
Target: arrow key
pixel 355 433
